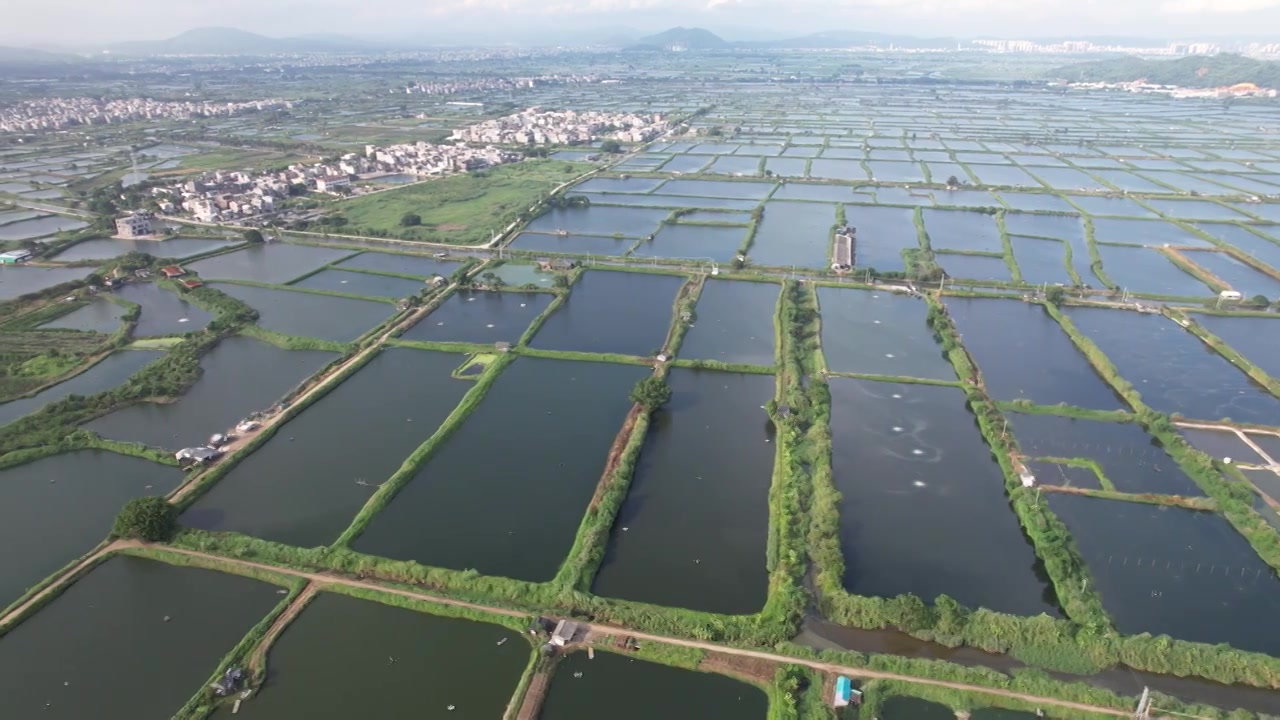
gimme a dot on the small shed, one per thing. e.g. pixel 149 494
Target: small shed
pixel 1231 295
pixel 845 694
pixel 197 456
pixel 13 257
pixel 566 633
pixel 192 284
pixel 172 271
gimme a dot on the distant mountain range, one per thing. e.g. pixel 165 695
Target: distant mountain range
pixel 230 41
pixel 700 39
pixel 682 39
pixel 1191 72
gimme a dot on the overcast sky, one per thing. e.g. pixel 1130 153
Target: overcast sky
pixel 28 22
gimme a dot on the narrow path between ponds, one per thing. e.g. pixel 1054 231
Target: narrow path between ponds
pixel 320 580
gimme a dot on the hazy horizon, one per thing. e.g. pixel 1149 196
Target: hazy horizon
pixel 68 23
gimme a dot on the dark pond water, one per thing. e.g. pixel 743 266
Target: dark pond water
pixel 879 333
pixel 975 267
pixel 39 227
pixel 480 317
pixel 1132 460
pixel 1255 246
pixel 110 372
pixel 694 241
pixel 98 316
pixel 917 479
pixel 613 312
pixel 306 484
pixel 634 222
pixel 883 233
pixel 619 185
pixel 1041 261
pixel 89 652
pixel 634 689
pixel 1048 473
pixel 68 502
pixel 717 188
pixel 793 233
pixel 16 280
pixel 240 376
pixel 733 323
pixel 416 265
pixel 1157 566
pixel 1173 370
pixel 693 529
pixel 1023 353
pixel 1270 444
pixel 1255 338
pixel 901 707
pixel 1219 444
pixel 669 201
pixel 507 491
pixel 360 283
pixel 573 244
pixel 305 314
pixel 1146 270
pixel 1241 277
pixel 276 263
pixel 962 230
pixel 334 660
pixel 162 312
pixel 106 248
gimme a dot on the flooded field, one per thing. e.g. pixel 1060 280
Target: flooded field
pixel 879 333
pixel 305 314
pixel 613 312
pixel 734 323
pixel 1156 566
pixel 240 376
pixel 580 687
pixel 162 312
pixel 507 491
pixel 333 661
pixel 1130 458
pixel 275 263
pixel 69 502
pixel 305 485
pixel 178 248
pixel 1173 370
pixel 1023 353
pixel 169 626
pixel 108 373
pixel 693 528
pixel 1250 336
pixel 361 283
pixel 909 460
pixel 480 317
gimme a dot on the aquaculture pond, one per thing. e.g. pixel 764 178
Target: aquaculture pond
pixel 305 485
pixel 916 480
pixel 107 248
pixel 572 244
pixel 581 687
pixel 1023 353
pixel 294 312
pixel 240 376
pixel 879 333
pixel 962 230
pixel 882 234
pixel 701 242
pixel 67 501
pixel 106 374
pixel 1252 337
pixel 162 312
pixel 634 222
pixel 128 624
pixel 1242 278
pixel 274 263
pixel 361 283
pixel 480 316
pixel 1221 444
pixel 17 280
pixel 98 315
pixel 733 323
pixel 793 233
pixel 518 275
pixel 1147 270
pixel 1152 233
pixel 1041 260
pixel 39 227
pixel 506 492
pixel 1130 458
pixel 1270 444
pixel 1156 566
pixel 718 188
pixel 414 265
pixel 983 268
pixel 1256 247
pixel 692 531
pixel 613 312
pixel 1173 370
pixel 344 657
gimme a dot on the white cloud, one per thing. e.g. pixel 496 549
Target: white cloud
pixel 1194 7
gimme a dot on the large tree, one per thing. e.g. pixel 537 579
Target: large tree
pixel 149 518
pixel 651 392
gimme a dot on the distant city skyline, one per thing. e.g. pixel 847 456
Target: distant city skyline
pixel 70 23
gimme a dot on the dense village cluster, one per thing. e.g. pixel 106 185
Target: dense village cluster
pixel 60 113
pixel 229 196
pixel 564 127
pixel 496 84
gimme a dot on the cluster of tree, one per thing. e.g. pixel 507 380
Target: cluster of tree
pixel 651 393
pixel 151 518
pixel 612 147
pixel 568 201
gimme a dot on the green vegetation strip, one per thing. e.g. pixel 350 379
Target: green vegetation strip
pixel 1258 374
